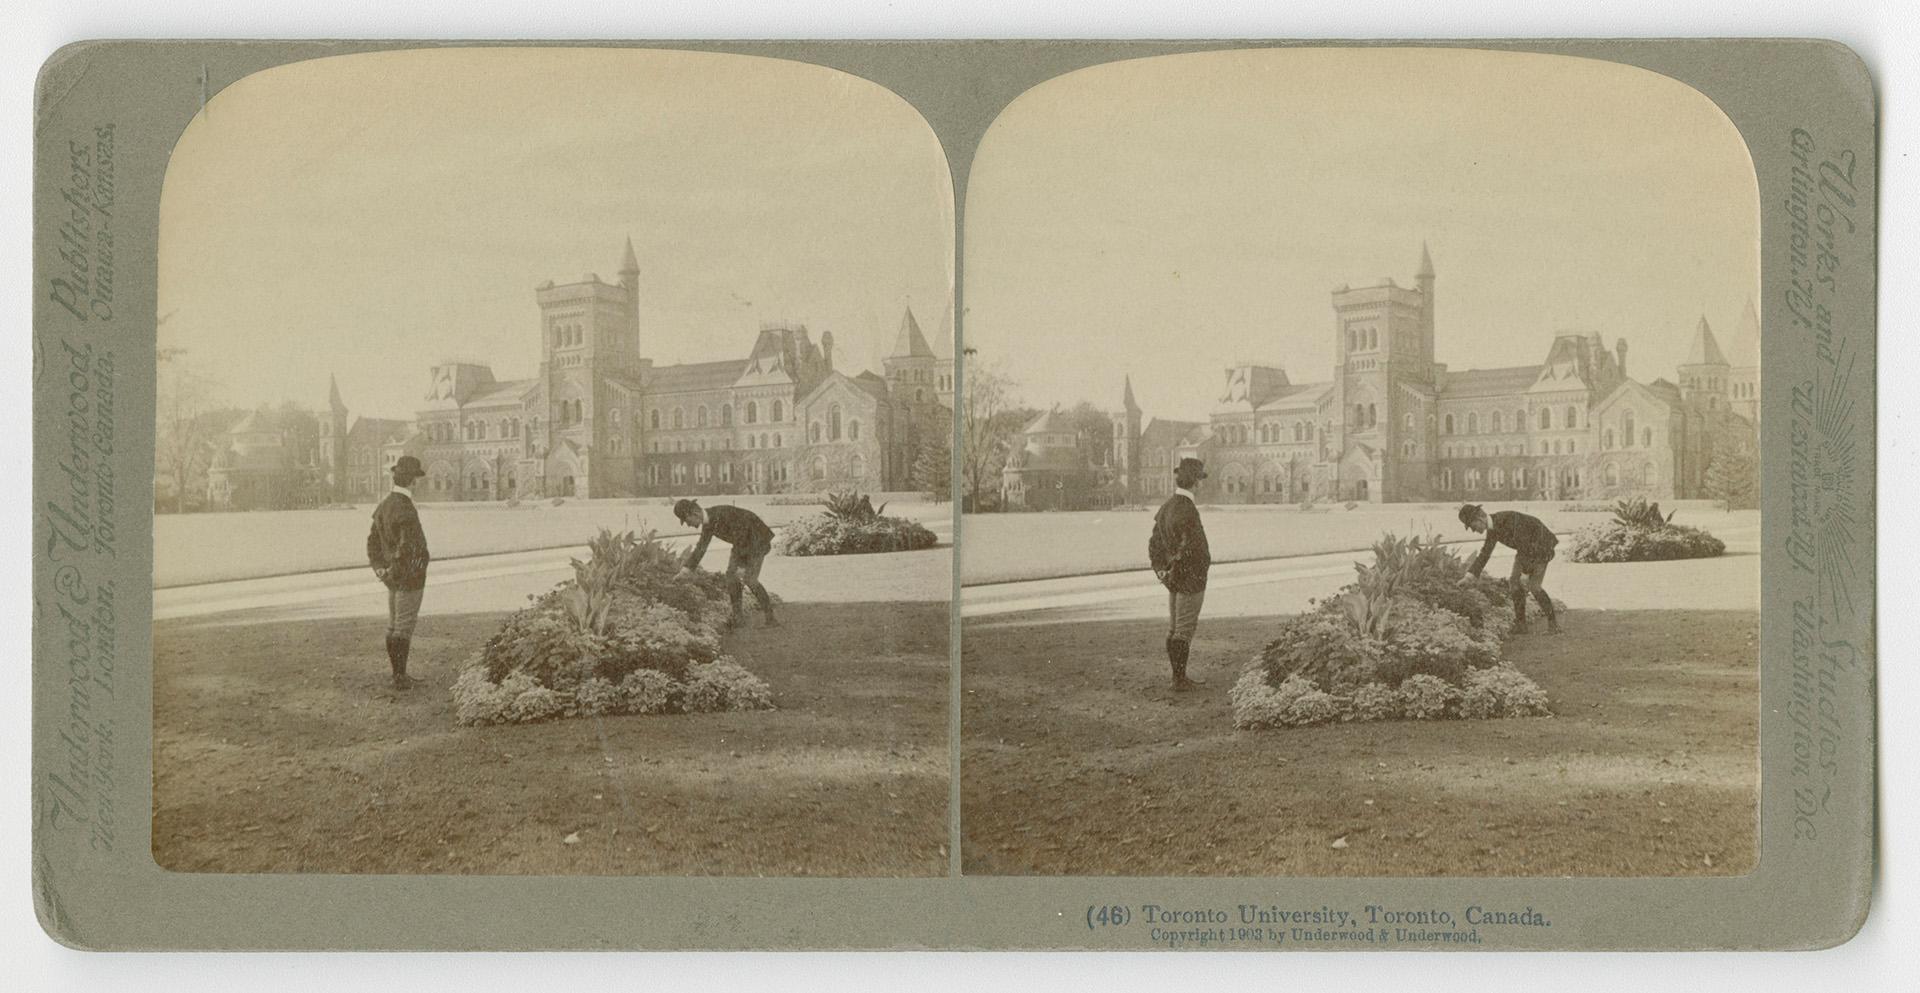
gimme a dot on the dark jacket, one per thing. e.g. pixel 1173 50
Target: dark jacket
pixel 396 545
pixel 1178 548
pixel 1520 532
pixel 736 527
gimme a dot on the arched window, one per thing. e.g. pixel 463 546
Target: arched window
pixel 1373 415
pixel 1407 422
pixel 1446 479
pixel 859 466
pixel 1353 342
pixel 726 415
pixel 1546 418
pixel 1646 437
pixel 679 418
pixel 1573 418
pixel 819 467
pixel 753 412
pixel 853 429
pixel 653 419
pixel 833 423
pixel 813 432
pixel 1613 474
pixel 1626 430
pixel 700 416
pixel 776 412
pixel 1447 425
pixel 1473 423
pixel 1499 478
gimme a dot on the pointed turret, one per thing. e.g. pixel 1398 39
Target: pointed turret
pixel 1426 263
pixel 333 393
pixel 1705 350
pixel 910 343
pixel 628 262
pixel 1126 398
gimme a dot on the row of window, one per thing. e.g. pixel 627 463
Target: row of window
pixel 1498 478
pixel 661 447
pixel 701 417
pixel 817 468
pixel 1497 422
pixel 833 427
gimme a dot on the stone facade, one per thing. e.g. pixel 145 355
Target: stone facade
pixel 1394 425
pixel 599 419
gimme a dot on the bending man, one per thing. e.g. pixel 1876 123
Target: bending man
pixel 1532 543
pixel 751 540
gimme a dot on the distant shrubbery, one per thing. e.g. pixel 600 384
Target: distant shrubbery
pixel 1406 640
pixel 624 636
pixel 1638 533
pixel 849 525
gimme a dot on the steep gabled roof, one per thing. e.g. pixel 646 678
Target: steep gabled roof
pixel 504 392
pixel 1049 420
pixel 1295 395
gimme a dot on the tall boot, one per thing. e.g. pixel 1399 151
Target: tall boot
pixel 398 656
pixel 1519 612
pixel 1177 652
pixel 766 605
pixel 733 597
pixel 1546 607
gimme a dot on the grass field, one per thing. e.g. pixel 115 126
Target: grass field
pixel 279 748
pixel 1077 761
pixel 206 548
pixel 1000 548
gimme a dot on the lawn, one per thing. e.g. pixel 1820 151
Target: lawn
pixel 1006 547
pixel 279 748
pixel 1077 761
pixel 206 548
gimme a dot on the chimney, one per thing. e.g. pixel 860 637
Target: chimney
pixel 826 348
pixel 1620 351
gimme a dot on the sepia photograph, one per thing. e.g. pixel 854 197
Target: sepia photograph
pixel 553 470
pixel 1360 472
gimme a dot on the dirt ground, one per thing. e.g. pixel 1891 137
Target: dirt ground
pixel 1077 761
pixel 279 748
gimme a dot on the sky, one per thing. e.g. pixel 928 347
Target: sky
pixel 1172 216
pixel 370 215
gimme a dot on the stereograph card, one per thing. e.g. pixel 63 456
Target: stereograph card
pixel 975 495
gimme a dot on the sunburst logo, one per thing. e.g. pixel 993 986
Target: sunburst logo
pixel 1826 475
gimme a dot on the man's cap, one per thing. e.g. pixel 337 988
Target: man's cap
pixel 1469 511
pixel 408 466
pixel 681 508
pixel 1195 466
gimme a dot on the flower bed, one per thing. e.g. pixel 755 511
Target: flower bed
pixel 624 636
pixel 1407 640
pixel 849 525
pixel 1638 533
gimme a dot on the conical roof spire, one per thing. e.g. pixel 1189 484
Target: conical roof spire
pixel 1705 350
pixel 1126 399
pixel 1426 262
pixel 628 263
pixel 910 343
pixel 333 392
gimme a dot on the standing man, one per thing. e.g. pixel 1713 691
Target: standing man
pixel 397 551
pixel 1532 543
pixel 751 540
pixel 1178 551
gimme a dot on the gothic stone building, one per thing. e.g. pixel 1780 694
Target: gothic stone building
pixel 600 419
pixel 1395 425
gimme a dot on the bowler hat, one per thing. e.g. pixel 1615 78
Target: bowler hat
pixel 681 508
pixel 408 467
pixel 1195 466
pixel 1469 512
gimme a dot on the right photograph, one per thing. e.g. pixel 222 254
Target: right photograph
pixel 1360 472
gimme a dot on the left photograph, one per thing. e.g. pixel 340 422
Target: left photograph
pixel 552 466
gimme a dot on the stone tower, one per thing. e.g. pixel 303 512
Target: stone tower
pixel 1126 444
pixel 1383 338
pixel 1705 376
pixel 333 443
pixel 589 333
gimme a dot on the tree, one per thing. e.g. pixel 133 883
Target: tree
pixel 185 430
pixel 932 469
pixel 986 438
pixel 1732 479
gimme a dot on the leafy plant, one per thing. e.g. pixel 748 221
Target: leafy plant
pixel 1638 513
pixel 851 506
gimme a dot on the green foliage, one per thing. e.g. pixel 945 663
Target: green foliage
pixel 1408 638
pixel 1612 541
pixel 851 525
pixel 1733 479
pixel 626 635
pixel 1638 513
